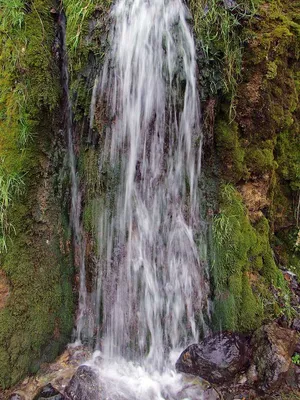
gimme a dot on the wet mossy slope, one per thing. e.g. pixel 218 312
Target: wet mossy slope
pixel 36 315
pixel 255 158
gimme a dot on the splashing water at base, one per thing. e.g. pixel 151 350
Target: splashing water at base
pixel 120 379
pixel 150 292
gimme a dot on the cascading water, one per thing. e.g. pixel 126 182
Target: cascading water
pixel 78 237
pixel 150 292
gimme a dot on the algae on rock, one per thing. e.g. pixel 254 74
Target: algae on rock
pixel 38 315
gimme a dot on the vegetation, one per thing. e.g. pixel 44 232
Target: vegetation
pixel 10 186
pixel 248 286
pixel 219 28
pixel 36 319
pixel 84 40
pixel 77 16
pixel 27 84
pixel 249 60
pixel 231 152
pixel 296 359
pixel 258 151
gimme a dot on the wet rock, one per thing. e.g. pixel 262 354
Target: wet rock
pixel 273 347
pixel 84 385
pixel 284 321
pixel 16 396
pixel 297 348
pixel 296 324
pixel 251 374
pixel 296 371
pixel 292 378
pixel 218 358
pixel 210 394
pixel 50 393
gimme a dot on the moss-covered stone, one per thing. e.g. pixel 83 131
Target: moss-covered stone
pixel 230 151
pixel 38 318
pixel 257 150
pixel 38 315
pixel 243 268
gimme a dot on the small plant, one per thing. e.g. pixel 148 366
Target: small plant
pixel 218 28
pixel 296 359
pixel 9 187
pixel 77 14
pixel 12 14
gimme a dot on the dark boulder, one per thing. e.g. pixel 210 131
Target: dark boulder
pixel 217 359
pixel 84 385
pixel 50 393
pixel 273 347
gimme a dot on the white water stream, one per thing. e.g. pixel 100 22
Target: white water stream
pixel 151 290
pixel 78 236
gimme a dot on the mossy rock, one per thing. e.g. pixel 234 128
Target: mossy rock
pixel 38 316
pixel 243 267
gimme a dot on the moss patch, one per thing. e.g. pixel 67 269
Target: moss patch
pixel 243 269
pixel 37 319
pixel 259 153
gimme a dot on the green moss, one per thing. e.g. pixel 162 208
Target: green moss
pixel 39 309
pixel 242 251
pixel 230 151
pixel 269 270
pixel 40 306
pixel 287 249
pixel 260 145
pixel 83 38
pixel 89 170
pixel 271 70
pixel 288 157
pixel 225 315
pixel 260 160
pixel 91 213
pixel 28 83
pixel 252 311
pixel 78 15
pixel 219 31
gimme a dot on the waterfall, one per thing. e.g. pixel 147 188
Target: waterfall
pixel 78 236
pixel 150 292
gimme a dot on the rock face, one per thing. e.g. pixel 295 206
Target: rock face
pixel 16 396
pixel 50 393
pixel 84 385
pixel 273 348
pixel 218 358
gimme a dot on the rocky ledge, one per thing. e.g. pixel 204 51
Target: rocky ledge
pixel 52 380
pixel 247 367
pixel 228 366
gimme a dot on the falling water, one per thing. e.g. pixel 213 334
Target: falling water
pixel 78 237
pixel 150 291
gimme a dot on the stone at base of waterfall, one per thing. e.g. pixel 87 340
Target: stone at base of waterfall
pixel 84 385
pixel 273 347
pixel 50 393
pixel 218 358
pixel 16 396
pixel 193 385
